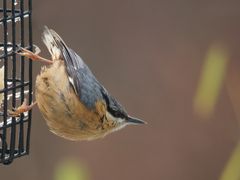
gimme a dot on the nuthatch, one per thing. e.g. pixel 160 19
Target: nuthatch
pixel 72 101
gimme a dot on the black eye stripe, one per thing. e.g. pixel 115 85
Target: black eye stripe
pixel 113 107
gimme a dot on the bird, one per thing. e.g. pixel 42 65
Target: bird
pixel 74 104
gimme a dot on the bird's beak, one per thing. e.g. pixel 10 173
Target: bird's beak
pixel 133 120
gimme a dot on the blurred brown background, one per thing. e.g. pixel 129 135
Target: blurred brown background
pixel 149 55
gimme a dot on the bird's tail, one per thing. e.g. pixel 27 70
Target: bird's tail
pixel 53 42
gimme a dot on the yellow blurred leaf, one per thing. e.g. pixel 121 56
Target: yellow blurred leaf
pixel 70 170
pixel 211 80
pixel 233 89
pixel 232 169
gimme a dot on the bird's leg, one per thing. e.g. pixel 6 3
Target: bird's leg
pixel 33 56
pixel 21 109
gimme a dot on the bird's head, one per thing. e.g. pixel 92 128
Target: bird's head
pixel 117 113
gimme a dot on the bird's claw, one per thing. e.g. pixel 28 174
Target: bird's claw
pixel 27 53
pixel 16 112
pixel 33 56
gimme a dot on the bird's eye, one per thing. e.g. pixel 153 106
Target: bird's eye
pixel 119 114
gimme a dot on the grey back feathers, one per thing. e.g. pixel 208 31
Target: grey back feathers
pixel 86 86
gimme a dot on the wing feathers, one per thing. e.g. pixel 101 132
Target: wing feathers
pixel 81 78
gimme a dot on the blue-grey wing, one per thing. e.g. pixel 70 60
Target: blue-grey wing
pixel 80 76
pixel 83 81
pixel 85 85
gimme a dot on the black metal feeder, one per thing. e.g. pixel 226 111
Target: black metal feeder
pixel 15 77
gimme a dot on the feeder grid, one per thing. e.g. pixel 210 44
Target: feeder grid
pixel 15 77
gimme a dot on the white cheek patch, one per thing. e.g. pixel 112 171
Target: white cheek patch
pixel 121 123
pixel 119 127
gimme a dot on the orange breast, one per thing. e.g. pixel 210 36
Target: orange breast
pixel 65 115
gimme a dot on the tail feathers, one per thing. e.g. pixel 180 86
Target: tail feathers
pixel 51 39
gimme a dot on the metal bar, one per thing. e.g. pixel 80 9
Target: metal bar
pixel 25 120
pixel 11 53
pixel 6 55
pixel 17 16
pixel 5 34
pixel 17 156
pixel 21 131
pixel 30 74
pixel 8 44
pixel 17 86
pixel 9 10
pixel 13 125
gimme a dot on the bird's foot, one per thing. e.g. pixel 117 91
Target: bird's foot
pixel 16 112
pixel 33 56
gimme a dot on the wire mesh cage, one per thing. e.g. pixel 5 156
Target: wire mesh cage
pixel 15 77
